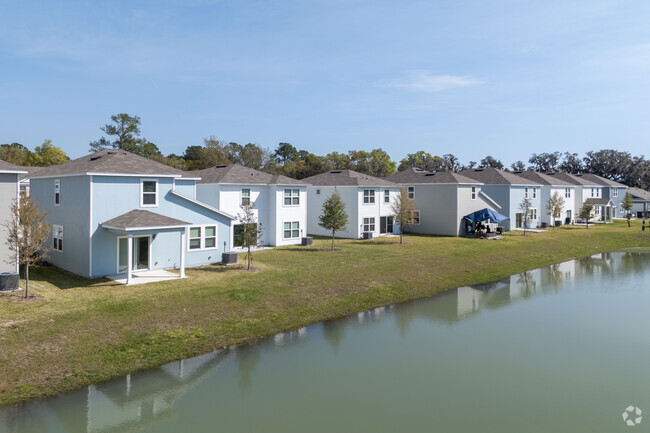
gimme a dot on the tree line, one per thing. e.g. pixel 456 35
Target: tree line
pixel 123 132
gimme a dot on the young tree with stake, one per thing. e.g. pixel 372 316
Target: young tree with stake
pixel 627 204
pixel 554 206
pixel 334 217
pixel 585 212
pixel 525 207
pixel 402 209
pixel 27 232
pixel 251 233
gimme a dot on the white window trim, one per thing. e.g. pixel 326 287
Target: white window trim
pixel 363 224
pixel 292 197
pixel 142 181
pixel 386 196
pixel 410 191
pixel 531 210
pixel 534 192
pixel 473 193
pixel 419 218
pixel 373 196
pixel 57 182
pixel 241 197
pixel 615 192
pixel 117 258
pixel 54 230
pixel 292 229
pixel 203 247
pixel 525 192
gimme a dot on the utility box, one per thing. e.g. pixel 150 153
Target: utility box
pixel 558 223
pixel 368 235
pixel 307 241
pixel 9 281
pixel 229 258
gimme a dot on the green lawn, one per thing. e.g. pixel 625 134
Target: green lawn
pixel 83 331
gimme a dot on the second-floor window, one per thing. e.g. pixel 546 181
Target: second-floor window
pixel 525 192
pixel 149 196
pixel 592 192
pixel 291 197
pixel 411 191
pixel 534 192
pixel 368 196
pixel 615 192
pixel 567 192
pixel 386 196
pixel 473 193
pixel 57 192
pixel 57 235
pixel 245 196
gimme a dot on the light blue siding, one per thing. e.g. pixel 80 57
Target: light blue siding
pixel 186 187
pixel 72 214
pixel 608 192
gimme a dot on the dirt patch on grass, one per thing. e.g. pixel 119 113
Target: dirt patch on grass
pixel 329 250
pixel 20 297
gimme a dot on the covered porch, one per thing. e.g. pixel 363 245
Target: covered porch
pixel 603 209
pixel 135 232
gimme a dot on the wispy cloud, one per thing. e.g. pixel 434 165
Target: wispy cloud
pixel 426 82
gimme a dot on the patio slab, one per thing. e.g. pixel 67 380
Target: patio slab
pixel 144 277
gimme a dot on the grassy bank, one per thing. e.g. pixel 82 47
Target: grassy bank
pixel 82 331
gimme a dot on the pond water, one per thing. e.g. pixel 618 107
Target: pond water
pixel 560 349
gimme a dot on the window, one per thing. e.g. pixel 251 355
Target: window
pixel 534 192
pixel 526 192
pixel 533 214
pixel 210 240
pixel 411 191
pixel 597 192
pixel 291 230
pixel 592 192
pixel 615 192
pixel 203 237
pixel 57 192
pixel 368 224
pixel 195 238
pixel 567 192
pixel 57 235
pixel 149 189
pixel 368 196
pixel 597 210
pixel 473 193
pixel 386 196
pixel 414 218
pixel 318 192
pixel 245 196
pixel 291 197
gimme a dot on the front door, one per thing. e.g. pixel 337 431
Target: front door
pixel 519 220
pixel 140 253
pixel 386 225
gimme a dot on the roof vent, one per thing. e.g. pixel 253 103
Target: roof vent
pixel 478 169
pixel 430 174
pixel 112 153
pixel 418 169
pixel 336 172
pixel 517 172
pixel 95 158
pixel 221 166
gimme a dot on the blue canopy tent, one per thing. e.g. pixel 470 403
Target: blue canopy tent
pixel 484 215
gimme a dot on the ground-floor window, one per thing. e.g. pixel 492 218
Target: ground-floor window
pixel 57 235
pixel 238 230
pixel 414 218
pixel 597 210
pixel 368 224
pixel 203 237
pixel 533 214
pixel 291 230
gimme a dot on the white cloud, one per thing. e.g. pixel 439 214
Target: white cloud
pixel 426 82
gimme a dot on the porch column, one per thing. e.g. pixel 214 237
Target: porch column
pixel 182 275
pixel 129 258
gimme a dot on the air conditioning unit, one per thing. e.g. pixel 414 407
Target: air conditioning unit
pixel 229 258
pixel 367 235
pixel 9 281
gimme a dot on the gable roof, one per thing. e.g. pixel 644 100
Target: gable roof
pixel 639 193
pixel 347 178
pixel 600 201
pixel 494 176
pixel 542 178
pixel 418 175
pixel 6 167
pixel 238 174
pixel 599 180
pixel 138 219
pixel 575 179
pixel 203 205
pixel 108 162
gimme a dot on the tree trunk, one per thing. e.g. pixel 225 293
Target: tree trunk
pixel 628 223
pixel 333 234
pixel 26 280
pixel 401 233
pixel 249 258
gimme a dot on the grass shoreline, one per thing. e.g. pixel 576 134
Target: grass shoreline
pixel 87 331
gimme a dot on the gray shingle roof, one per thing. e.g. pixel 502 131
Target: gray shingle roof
pixel 639 193
pixel 113 161
pixel 494 176
pixel 599 201
pixel 542 178
pixel 138 218
pixel 6 166
pixel 346 178
pixel 417 175
pixel 573 179
pixel 238 174
pixel 601 180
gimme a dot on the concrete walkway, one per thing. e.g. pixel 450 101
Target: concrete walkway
pixel 144 277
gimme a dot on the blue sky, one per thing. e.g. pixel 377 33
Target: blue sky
pixel 471 78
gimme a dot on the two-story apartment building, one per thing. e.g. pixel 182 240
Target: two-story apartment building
pixel 442 200
pixel 552 185
pixel 9 191
pixel 113 212
pixel 587 189
pixel 610 189
pixel 367 200
pixel 509 191
pixel 278 202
